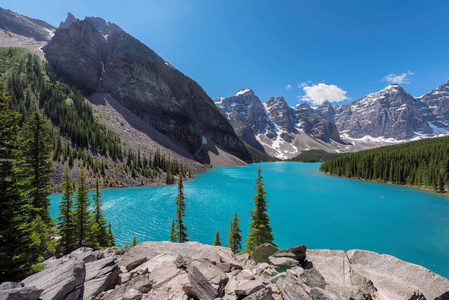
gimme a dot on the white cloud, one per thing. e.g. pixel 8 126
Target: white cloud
pixel 288 87
pixel 398 79
pixel 318 93
pixel 302 85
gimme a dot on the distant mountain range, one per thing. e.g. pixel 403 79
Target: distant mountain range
pixel 125 81
pixel 388 116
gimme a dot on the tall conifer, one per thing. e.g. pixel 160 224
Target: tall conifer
pixel 99 218
pixel 66 216
pixel 260 229
pixel 234 238
pixel 180 229
pixel 217 241
pixel 36 151
pixel 82 211
pixel 172 231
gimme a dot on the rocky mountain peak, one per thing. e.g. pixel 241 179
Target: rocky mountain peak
pixel 393 88
pixel 244 92
pixel 68 21
pixel 326 103
pixel 105 28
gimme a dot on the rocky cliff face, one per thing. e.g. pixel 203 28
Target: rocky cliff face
pixel 100 57
pixel 276 128
pixel 247 116
pixel 165 270
pixel 437 102
pixel 390 113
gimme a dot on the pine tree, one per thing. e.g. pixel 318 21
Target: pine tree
pixel 15 231
pixel 82 211
pixel 36 151
pixel 172 232
pixel 110 236
pixel 66 215
pixel 217 241
pixel 260 230
pixel 99 218
pixel 180 230
pixel 134 242
pixel 234 238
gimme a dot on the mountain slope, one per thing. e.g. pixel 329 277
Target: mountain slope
pixel 20 31
pixel 100 57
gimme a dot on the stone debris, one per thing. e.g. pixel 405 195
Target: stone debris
pixel 165 270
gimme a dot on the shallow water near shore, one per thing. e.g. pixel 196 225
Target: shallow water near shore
pixel 305 207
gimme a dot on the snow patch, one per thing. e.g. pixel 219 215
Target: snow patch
pixel 368 138
pixel 241 92
pixel 204 141
pixel 437 130
pixel 102 67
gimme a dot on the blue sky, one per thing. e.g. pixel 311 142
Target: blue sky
pixel 339 50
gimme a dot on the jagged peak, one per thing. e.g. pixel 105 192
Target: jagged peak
pixel 244 92
pixel 326 103
pixel 276 100
pixel 395 88
pixel 68 21
pixel 104 27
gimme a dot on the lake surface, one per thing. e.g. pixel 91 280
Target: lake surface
pixel 305 207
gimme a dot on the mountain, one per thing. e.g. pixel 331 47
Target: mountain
pixel 385 117
pixel 24 32
pixel 438 103
pixel 389 113
pixel 99 57
pixel 276 128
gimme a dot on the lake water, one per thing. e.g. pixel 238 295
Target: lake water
pixel 305 207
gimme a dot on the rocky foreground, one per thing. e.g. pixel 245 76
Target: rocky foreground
pixel 165 270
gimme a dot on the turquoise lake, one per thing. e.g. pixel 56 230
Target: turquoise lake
pixel 305 207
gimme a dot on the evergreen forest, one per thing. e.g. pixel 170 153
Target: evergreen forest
pixel 423 163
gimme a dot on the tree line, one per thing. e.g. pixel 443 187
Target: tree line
pixel 27 231
pixel 423 163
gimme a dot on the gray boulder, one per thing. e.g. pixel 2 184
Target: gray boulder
pixel 59 282
pixel 313 278
pixel 284 253
pixel 207 280
pixel 342 280
pixel 132 294
pixel 262 294
pixel 320 294
pixel 20 293
pixel 291 289
pixel 283 262
pixel 264 251
pixel 85 254
pixel 140 283
pixel 100 275
pixel 249 287
pixel 396 278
